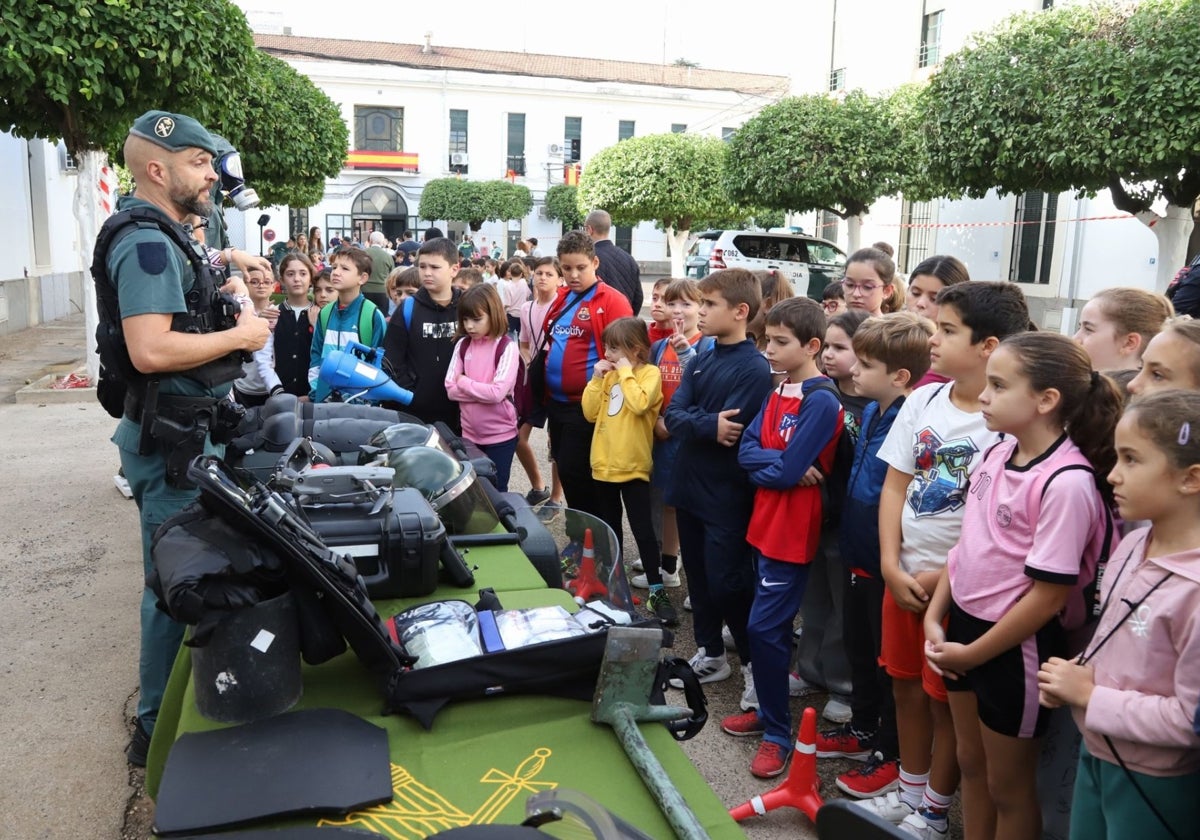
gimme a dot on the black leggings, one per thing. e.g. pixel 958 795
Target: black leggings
pixel 635 495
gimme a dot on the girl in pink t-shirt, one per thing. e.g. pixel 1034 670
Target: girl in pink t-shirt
pixel 482 375
pixel 1035 525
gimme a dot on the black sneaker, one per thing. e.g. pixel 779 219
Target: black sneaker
pixel 139 745
pixel 536 497
pixel 660 604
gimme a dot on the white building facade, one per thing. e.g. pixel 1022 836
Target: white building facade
pixel 417 113
pixel 1060 248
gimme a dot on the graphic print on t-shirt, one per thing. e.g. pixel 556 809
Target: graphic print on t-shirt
pixel 616 400
pixel 943 473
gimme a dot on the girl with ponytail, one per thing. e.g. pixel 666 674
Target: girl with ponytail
pixel 1035 525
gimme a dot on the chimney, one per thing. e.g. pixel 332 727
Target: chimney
pixel 428 48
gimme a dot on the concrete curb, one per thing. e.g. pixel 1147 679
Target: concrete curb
pixel 42 392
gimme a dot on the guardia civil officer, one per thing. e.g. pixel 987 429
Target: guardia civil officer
pixel 184 347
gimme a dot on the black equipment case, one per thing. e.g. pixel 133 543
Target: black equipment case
pixel 397 548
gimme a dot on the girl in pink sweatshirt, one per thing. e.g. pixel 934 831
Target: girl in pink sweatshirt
pixel 1134 689
pixel 481 376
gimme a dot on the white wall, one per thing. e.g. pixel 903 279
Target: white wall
pixel 16 257
pixel 427 97
pixel 980 243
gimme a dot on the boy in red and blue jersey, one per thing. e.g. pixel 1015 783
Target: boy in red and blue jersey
pixel 573 326
pixel 797 428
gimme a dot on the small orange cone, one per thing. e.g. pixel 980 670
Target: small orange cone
pixel 586 584
pixel 801 787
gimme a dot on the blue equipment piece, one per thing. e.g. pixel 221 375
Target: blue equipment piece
pixel 356 373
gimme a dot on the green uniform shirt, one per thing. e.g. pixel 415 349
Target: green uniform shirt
pixel 151 275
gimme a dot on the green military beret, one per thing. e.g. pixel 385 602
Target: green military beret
pixel 173 132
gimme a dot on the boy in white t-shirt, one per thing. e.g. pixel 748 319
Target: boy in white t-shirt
pixel 936 440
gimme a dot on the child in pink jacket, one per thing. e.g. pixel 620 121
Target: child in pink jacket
pixel 481 376
pixel 1134 689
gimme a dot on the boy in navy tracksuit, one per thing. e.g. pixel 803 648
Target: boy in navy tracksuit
pixel 893 354
pixel 718 396
pixel 797 429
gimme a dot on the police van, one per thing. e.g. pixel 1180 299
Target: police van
pixel 808 263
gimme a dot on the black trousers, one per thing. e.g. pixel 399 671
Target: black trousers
pixel 635 497
pixel 872 705
pixel 571 448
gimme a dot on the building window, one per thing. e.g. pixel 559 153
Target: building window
pixel 457 147
pixel 378 129
pixel 827 227
pixel 727 133
pixel 340 226
pixel 516 144
pixel 297 221
pixel 915 233
pixel 623 237
pixel 1047 4
pixel 837 79
pixel 678 128
pixel 931 40
pixel 1033 241
pixel 572 137
pixel 624 130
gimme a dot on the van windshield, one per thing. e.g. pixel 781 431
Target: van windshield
pixel 822 252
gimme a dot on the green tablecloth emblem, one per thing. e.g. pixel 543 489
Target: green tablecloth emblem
pixel 417 811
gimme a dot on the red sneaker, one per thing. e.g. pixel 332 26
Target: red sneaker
pixel 747 723
pixel 770 761
pixel 874 778
pixel 843 742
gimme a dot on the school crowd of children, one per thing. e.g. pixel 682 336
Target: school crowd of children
pixel 977 523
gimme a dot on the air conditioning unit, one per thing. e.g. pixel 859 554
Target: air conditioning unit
pixel 555 149
pixel 459 159
pixel 541 211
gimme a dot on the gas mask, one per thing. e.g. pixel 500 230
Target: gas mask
pixel 233 183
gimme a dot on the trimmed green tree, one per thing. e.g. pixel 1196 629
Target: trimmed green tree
pixel 822 153
pixel 290 133
pixel 474 202
pixel 675 180
pixel 1082 97
pixel 82 72
pixel 562 205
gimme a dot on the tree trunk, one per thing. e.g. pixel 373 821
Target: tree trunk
pixel 677 241
pixel 90 216
pixel 853 233
pixel 1172 231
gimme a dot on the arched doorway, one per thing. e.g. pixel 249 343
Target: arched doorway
pixel 380 208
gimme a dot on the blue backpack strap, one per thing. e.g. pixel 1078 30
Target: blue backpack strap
pixel 657 350
pixel 407 310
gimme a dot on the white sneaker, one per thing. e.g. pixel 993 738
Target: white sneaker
pixel 670 580
pixel 708 669
pixel 918 825
pixel 123 485
pixel 727 638
pixel 889 807
pixel 636 566
pixel 687 603
pixel 749 694
pixel 837 710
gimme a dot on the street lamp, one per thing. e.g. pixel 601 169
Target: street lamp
pixel 262 223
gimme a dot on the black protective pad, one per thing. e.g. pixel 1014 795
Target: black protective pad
pixel 839 820
pixel 314 761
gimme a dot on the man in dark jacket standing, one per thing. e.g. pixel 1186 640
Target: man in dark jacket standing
pixel 617 268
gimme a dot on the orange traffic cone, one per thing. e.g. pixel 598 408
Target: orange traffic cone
pixel 587 584
pixel 801 787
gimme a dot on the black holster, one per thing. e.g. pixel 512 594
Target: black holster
pixel 179 427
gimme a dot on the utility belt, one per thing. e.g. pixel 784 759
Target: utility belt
pixel 179 427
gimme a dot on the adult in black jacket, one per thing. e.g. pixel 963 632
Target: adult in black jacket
pixel 617 268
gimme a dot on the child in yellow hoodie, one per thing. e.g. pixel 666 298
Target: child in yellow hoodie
pixel 623 398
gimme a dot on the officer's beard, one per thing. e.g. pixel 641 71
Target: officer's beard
pixel 200 205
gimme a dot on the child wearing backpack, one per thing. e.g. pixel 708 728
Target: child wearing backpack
pixel 481 376
pixel 349 318
pixel 1035 526
pixel 1134 689
pixel 623 399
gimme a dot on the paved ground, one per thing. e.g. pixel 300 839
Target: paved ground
pixel 70 578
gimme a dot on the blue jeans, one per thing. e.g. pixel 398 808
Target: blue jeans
pixel 777 597
pixel 502 456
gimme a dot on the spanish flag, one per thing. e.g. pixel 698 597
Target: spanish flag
pixel 571 174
